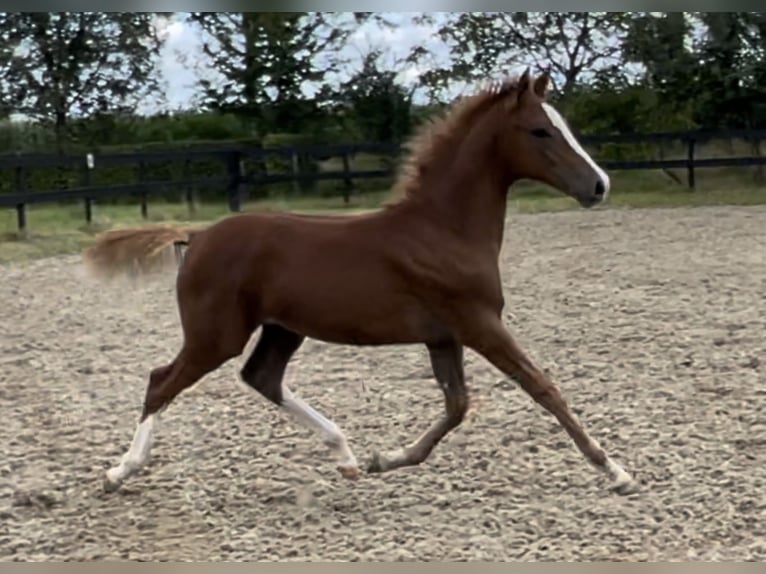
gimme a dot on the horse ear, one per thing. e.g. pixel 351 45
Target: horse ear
pixel 542 83
pixel 523 89
pixel 524 81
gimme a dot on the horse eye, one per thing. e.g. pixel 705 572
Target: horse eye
pixel 541 133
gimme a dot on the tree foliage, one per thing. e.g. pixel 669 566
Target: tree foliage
pixel 374 103
pixel 277 75
pixel 58 64
pixel 486 44
pixel 264 61
pixel 710 64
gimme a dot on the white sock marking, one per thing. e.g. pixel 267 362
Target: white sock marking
pixel 331 434
pixel 619 475
pixel 138 454
pixel 555 117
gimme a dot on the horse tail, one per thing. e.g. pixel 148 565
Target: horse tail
pixel 136 251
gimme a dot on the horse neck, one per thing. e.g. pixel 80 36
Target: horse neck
pixel 467 189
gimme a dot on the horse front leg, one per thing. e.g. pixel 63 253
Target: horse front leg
pixel 264 371
pixel 489 337
pixel 447 364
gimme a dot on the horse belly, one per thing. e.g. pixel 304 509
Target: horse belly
pixel 351 315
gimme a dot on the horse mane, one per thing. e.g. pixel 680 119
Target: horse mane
pixel 441 133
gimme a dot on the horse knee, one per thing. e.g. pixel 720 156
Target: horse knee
pixel 546 394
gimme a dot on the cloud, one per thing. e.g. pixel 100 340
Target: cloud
pixel 180 55
pixel 182 60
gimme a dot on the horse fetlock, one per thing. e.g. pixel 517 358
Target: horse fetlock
pixel 129 465
pixel 376 463
pixel 627 487
pixel 382 462
pixel 109 485
pixel 113 479
pixel 622 481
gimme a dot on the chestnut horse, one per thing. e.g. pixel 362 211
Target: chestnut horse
pixel 421 270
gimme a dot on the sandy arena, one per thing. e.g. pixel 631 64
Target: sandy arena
pixel 652 322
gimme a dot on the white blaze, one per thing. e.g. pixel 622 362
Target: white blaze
pixel 561 125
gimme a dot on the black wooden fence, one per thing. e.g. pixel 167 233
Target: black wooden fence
pixel 235 178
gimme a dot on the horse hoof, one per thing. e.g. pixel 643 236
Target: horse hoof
pixel 110 485
pixel 627 487
pixel 349 472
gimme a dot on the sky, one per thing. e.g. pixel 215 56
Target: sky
pixel 182 60
pixel 179 77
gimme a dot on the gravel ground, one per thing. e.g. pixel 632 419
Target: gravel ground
pixel 652 322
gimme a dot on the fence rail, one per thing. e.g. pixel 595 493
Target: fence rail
pixel 236 178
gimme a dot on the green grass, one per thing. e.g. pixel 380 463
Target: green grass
pixel 651 190
pixel 60 229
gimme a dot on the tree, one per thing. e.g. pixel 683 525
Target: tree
pixel 58 64
pixel 573 44
pixel 262 62
pixel 660 43
pixel 709 64
pixel 380 108
pixel 732 68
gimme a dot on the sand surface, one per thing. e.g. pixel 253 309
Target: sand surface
pixel 652 322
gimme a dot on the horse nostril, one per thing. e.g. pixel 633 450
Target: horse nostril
pixel 600 188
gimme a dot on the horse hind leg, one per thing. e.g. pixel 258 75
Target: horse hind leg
pixel 264 371
pixel 137 456
pixel 165 384
pixel 447 364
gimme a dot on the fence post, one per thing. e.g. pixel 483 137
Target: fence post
pixel 142 179
pixel 348 183
pixel 86 181
pixel 235 168
pixel 690 163
pixel 21 208
pixel 21 218
pixel 189 190
pixel 295 169
pixel 756 146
